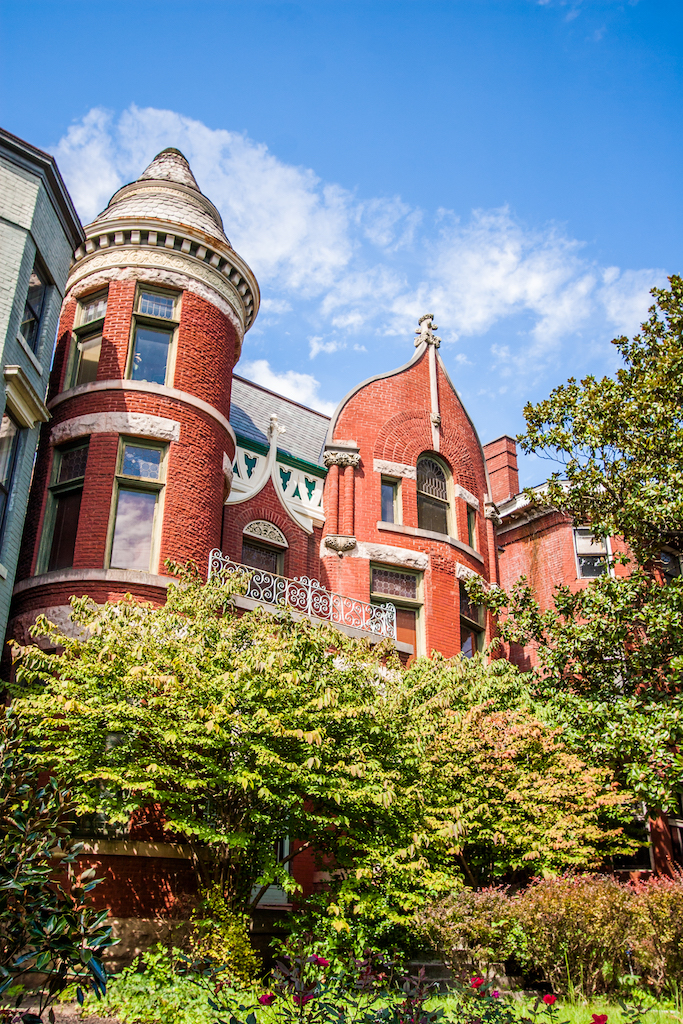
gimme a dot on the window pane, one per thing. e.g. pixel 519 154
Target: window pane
pixel 30 324
pixel 432 514
pixel 395 584
pixel 671 564
pixel 141 462
pixel 259 558
pixel 467 607
pixel 72 464
pixel 431 479
pixel 388 502
pixel 156 305
pixel 66 527
pixel 592 565
pixel 469 641
pixel 406 629
pixel 89 360
pixel 472 527
pixel 132 544
pixel 94 310
pixel 9 434
pixel 587 544
pixel 151 355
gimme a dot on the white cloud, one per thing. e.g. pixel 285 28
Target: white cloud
pixel 341 266
pixel 301 387
pixel 317 345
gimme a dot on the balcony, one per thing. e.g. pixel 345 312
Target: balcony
pixel 308 597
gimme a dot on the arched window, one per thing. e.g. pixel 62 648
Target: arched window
pixel 432 495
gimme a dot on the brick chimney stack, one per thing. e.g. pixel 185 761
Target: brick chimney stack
pixel 501 462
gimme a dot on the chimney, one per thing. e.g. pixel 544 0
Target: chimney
pixel 501 462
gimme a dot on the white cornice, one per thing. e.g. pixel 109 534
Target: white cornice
pixel 22 400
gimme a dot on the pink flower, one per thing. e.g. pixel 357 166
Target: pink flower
pixel 495 994
pixel 300 1000
pixel 319 960
pixel 267 999
pixel 477 982
pixel 599 1018
pixel 549 1000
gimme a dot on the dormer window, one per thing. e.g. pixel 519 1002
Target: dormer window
pixel 432 496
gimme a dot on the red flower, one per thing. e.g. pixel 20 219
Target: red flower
pixel 300 1000
pixel 267 999
pixel 477 982
pixel 549 1000
pixel 599 1018
pixel 319 960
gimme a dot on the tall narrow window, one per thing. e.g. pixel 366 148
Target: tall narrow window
pixel 66 491
pixel 139 483
pixel 262 556
pixel 9 444
pixel 153 334
pixel 432 496
pixel 591 553
pixel 35 307
pixel 471 624
pixel 88 338
pixel 472 527
pixel 390 512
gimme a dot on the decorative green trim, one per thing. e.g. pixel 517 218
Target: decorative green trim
pixel 311 468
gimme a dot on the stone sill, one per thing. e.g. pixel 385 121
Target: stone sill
pixel 443 538
pixel 248 604
pixel 135 578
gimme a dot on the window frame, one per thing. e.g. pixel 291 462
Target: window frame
pixel 472 525
pixel 395 483
pixel 451 519
pixel 37 267
pixel 169 324
pixel 83 334
pixel 55 490
pixel 475 626
pixel 17 442
pixel 145 485
pixel 414 604
pixel 660 563
pixel 608 554
pixel 264 545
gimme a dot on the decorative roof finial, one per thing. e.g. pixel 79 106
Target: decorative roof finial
pixel 425 331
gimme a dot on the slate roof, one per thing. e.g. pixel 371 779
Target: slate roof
pixel 250 412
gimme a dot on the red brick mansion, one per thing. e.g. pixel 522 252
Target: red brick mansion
pixel 156 449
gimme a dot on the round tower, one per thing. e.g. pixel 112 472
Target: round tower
pixel 136 462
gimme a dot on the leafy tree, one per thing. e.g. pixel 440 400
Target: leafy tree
pixel 611 655
pixel 503 788
pixel 45 925
pixel 620 439
pixel 243 730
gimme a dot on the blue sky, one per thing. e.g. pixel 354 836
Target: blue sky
pixel 511 165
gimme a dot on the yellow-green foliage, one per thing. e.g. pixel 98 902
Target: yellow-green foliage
pixel 222 936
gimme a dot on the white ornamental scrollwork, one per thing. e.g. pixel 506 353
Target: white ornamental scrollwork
pixel 309 597
pixel 341 459
pixel 264 530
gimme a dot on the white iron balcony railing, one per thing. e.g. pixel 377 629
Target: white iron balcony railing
pixel 310 598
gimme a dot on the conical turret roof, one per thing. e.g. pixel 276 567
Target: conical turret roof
pixel 165 191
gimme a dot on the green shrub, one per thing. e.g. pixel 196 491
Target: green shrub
pixel 656 934
pixel 576 928
pixel 221 936
pixel 473 928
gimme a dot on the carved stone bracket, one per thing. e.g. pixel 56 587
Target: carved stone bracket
pixel 341 459
pixel 491 512
pixel 339 543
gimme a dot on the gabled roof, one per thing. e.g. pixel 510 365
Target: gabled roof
pixel 250 412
